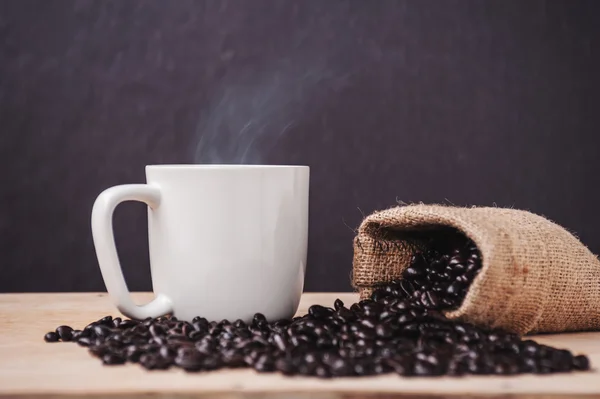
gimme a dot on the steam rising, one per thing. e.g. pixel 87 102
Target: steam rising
pixel 248 117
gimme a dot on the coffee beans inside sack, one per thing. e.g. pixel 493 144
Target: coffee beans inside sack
pixel 401 328
pixel 520 273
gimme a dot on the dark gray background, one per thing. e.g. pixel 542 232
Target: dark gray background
pixel 474 102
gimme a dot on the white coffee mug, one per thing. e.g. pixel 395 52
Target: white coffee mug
pixel 226 241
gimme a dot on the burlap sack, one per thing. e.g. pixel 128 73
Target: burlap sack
pixel 536 276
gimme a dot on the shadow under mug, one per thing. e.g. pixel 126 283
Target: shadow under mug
pixel 225 241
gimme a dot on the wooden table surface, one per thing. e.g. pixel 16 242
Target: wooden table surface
pixel 29 367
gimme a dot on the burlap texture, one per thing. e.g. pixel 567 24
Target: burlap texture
pixel 535 277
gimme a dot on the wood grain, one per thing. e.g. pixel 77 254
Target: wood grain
pixel 29 367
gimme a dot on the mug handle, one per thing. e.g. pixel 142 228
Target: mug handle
pixel 106 251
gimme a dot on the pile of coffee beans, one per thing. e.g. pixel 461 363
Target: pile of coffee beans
pixel 439 277
pixel 400 329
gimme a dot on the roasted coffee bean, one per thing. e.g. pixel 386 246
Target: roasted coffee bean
pixel 360 369
pixel 354 307
pixel 156 330
pixel 264 363
pixel 346 315
pixel 147 321
pixel 561 360
pixel 238 324
pixel 472 268
pixel 187 329
pixel 232 359
pixel 102 330
pixel 150 347
pixel 98 350
pixel 365 334
pixel 127 324
pixel 84 341
pixel 318 311
pixel 211 363
pixel 175 338
pixel 402 305
pixel 400 366
pixel 433 300
pixel 149 361
pixel 205 347
pixel 389 301
pixel 222 323
pixel 189 360
pixel 454 289
pixel 529 348
pixel 280 342
pixel 116 337
pixel 380 295
pixel 414 272
pixel 167 352
pixel 201 327
pixel 384 330
pixel 506 368
pixel 407 287
pixel 322 372
pixel 158 340
pixel 195 335
pixel 581 362
pixel 368 323
pixel 133 353
pixel 65 333
pixel 285 366
pixel 113 358
pixel 51 337
pixel 258 318
pixel 281 323
pixel 310 358
pixel 340 367
pixel 161 363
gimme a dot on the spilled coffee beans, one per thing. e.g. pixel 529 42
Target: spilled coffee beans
pixel 439 277
pixel 401 330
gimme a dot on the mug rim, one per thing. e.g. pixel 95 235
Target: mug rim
pixel 223 166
